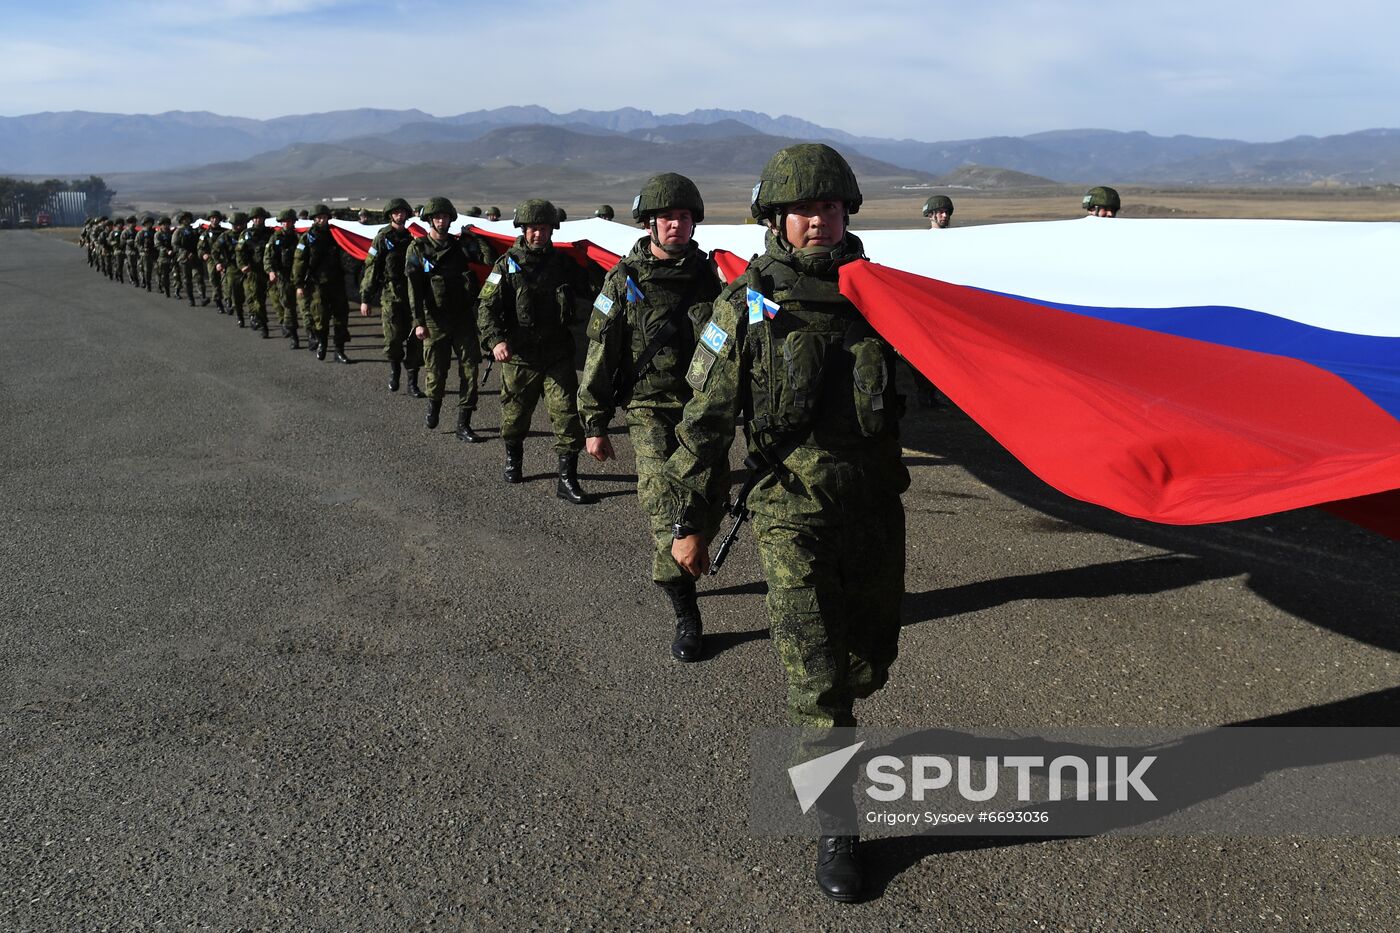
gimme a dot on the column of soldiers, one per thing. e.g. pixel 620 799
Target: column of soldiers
pixel 687 361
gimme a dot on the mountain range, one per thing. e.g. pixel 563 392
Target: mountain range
pixel 630 141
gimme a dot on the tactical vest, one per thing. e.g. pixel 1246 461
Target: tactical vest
pixel 662 329
pixel 442 281
pixel 819 374
pixel 163 247
pixel 543 296
pixel 282 251
pixel 249 249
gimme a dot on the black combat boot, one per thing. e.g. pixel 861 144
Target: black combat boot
pixel 838 870
pixel 204 302
pixel 219 304
pixel 192 300
pixel 395 368
pixel 320 349
pixel 568 488
pixel 239 313
pixel 515 458
pixel 296 340
pixel 434 409
pixel 688 644
pixel 464 427
pixel 340 356
pixel 263 327
pixel 413 389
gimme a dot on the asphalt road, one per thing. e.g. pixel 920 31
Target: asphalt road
pixel 275 656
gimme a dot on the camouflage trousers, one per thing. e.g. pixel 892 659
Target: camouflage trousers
pixel 653 435
pixel 255 294
pixel 191 270
pixel 446 341
pixel 148 270
pixel 284 301
pixel 326 305
pixel 133 267
pixel 400 346
pixel 163 277
pixel 233 290
pixel 522 384
pixel 834 597
pixel 212 274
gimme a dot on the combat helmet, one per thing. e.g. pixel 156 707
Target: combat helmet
pixel 493 213
pixel 1102 196
pixel 537 211
pixel 473 211
pixel 184 217
pixel 239 218
pixel 147 221
pixel 604 211
pixel 131 219
pixel 804 172
pixel 287 215
pixel 216 217
pixel 397 204
pixel 321 209
pixel 259 213
pixel 164 219
pixel 665 192
pixel 438 205
pixel 939 202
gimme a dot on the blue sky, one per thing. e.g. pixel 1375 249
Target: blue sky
pixel 932 70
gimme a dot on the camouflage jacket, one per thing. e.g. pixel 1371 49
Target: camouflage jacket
pixel 440 281
pixel 248 248
pixel 165 247
pixel 529 300
pixel 146 243
pixel 647 307
pixel 317 258
pixel 223 249
pixel 207 238
pixel 128 241
pixel 186 240
pixel 810 382
pixel 384 279
pixel 279 253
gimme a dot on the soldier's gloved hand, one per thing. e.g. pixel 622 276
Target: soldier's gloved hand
pixel 364 309
pixel 691 554
pixel 600 449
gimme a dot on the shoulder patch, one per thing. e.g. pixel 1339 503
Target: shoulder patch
pixel 714 337
pixel 301 246
pixel 604 304
pixel 494 278
pixel 698 373
pixel 372 253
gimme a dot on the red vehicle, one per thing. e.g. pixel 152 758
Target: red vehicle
pixel 43 219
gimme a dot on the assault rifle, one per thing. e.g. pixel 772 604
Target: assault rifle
pixel 739 510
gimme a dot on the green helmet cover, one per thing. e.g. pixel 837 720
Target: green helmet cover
pixel 286 215
pixel 259 213
pixel 1102 196
pixel 473 211
pixel 438 205
pixel 665 192
pixel 165 219
pixel 939 202
pixel 239 219
pixel 398 204
pixel 604 211
pixel 804 172
pixel 537 211
pixel 321 209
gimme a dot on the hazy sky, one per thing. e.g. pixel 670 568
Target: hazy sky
pixel 1247 69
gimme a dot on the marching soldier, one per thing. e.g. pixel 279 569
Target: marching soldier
pixel 442 292
pixel 205 248
pixel 226 264
pixel 248 253
pixel 385 282
pixel 187 255
pixel 165 254
pixel 789 358
pixel 146 249
pixel 530 299
pixel 642 333
pixel 320 278
pixel 278 256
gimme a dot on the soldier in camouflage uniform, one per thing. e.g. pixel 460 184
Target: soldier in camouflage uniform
pixel 938 211
pixel 530 299
pixel 205 250
pixel 248 252
pixel 278 256
pixel 116 251
pixel 643 331
pixel 165 255
pixel 442 293
pixel 385 283
pixel 187 255
pixel 493 213
pixel 225 253
pixel 320 278
pixel 146 250
pixel 789 357
pixel 128 252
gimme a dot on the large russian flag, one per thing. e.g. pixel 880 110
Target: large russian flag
pixel 1180 371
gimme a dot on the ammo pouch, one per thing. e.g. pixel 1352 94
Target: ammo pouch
pixel 804 363
pixel 870 375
